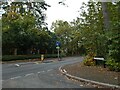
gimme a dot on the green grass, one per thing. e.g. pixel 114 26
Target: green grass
pixel 23 57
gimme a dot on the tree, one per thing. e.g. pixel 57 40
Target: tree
pixel 62 31
pixel 69 36
pixel 0 36
pixel 91 25
pixel 21 27
pixel 15 30
pixel 114 34
pixel 35 8
pixel 105 15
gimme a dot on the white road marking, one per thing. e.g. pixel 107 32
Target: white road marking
pixel 17 65
pixel 43 71
pixel 36 62
pixel 38 72
pixel 16 77
pixel 81 85
pixel 1 80
pixel 49 70
pixel 29 74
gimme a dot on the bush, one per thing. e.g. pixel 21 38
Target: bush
pixel 18 57
pixel 114 42
pixel 89 60
pixel 23 57
pixel 112 65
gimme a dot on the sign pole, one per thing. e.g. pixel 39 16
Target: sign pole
pixel 58 49
pixel 58 54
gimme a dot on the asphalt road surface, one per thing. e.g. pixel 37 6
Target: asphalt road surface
pixel 38 75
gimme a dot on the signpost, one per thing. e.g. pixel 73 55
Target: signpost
pixel 58 48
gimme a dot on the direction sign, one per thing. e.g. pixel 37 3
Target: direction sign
pixel 57 47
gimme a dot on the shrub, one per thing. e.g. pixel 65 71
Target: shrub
pixel 112 65
pixel 23 57
pixel 89 60
pixel 114 42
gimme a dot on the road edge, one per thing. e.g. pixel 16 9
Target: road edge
pixel 64 72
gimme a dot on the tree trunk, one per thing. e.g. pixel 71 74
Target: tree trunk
pixel 28 51
pixel 15 51
pixel 105 15
pixel 46 51
pixel 38 51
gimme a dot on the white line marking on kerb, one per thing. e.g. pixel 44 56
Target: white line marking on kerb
pixel 16 77
pixel 64 70
pixel 29 74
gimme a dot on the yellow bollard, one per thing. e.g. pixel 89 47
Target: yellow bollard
pixel 42 57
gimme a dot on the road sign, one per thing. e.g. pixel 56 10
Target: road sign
pixel 57 43
pixel 57 47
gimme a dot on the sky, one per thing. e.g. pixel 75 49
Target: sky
pixel 61 12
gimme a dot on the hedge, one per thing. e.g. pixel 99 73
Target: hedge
pixel 23 57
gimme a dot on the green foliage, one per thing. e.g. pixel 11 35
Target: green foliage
pixel 20 32
pixel 95 37
pixel 69 36
pixel 16 33
pixel 34 8
pixel 88 61
pixel 112 65
pixel 62 30
pixel 37 9
pixel 114 48
pixel 114 42
pixel 91 29
pixel 18 57
pixel 24 57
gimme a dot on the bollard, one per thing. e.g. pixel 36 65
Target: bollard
pixel 42 57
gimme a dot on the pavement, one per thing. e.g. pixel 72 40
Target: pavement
pixel 97 76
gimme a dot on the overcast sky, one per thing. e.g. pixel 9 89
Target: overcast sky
pixel 61 12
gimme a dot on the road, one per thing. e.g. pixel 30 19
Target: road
pixel 38 75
